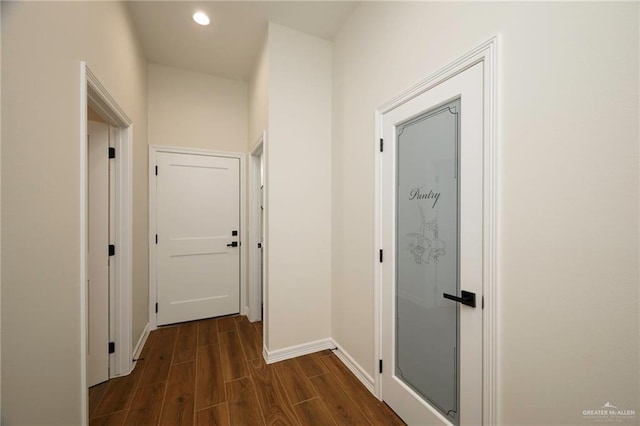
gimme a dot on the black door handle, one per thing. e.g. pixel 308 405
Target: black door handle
pixel 233 244
pixel 468 298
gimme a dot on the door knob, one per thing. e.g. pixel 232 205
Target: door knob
pixel 233 244
pixel 468 298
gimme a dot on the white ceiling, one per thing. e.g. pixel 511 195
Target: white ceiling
pixel 229 46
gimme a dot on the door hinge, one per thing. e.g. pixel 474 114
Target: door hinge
pixel 380 367
pixel 112 152
pixel 156 307
pixel 381 144
pixel 112 250
pixel 112 347
pixel 482 302
pixel 156 170
pixel 381 256
pixel 156 238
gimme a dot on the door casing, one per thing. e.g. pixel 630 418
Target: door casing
pixel 486 53
pixel 95 95
pixel 153 279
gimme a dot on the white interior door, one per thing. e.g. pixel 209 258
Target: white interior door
pixel 198 255
pixel 432 230
pixel 262 227
pixel 98 253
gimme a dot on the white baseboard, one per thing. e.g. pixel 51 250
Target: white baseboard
pixel 298 350
pixel 141 341
pixel 354 367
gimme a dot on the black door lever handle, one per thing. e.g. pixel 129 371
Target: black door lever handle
pixel 468 298
pixel 233 244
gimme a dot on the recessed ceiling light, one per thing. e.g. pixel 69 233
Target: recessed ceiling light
pixel 201 18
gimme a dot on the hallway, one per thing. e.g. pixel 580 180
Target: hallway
pixel 212 372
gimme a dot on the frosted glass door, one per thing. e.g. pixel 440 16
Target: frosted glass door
pixel 427 252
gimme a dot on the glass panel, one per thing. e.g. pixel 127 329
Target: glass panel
pixel 427 256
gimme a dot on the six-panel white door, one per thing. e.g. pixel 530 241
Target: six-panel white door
pixel 198 255
pixel 432 231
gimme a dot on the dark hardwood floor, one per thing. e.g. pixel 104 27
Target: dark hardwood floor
pixel 211 372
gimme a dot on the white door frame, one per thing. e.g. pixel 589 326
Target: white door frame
pixel 153 225
pixel 256 296
pixel 95 95
pixel 488 54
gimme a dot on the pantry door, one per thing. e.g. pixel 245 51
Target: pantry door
pixel 198 242
pixel 432 223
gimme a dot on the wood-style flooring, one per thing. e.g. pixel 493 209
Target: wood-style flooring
pixel 212 372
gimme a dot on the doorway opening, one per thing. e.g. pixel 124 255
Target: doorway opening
pixel 94 96
pixel 100 235
pixel 257 233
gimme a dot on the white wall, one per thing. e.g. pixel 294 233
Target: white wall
pixel 298 188
pixel 42 46
pixel 195 110
pixel 568 265
pixel 259 96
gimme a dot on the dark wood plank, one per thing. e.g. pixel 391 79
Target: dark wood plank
pixel 234 365
pixel 295 382
pixel 146 405
pixel 158 361
pixel 243 405
pixel 183 372
pixel 374 410
pixel 394 419
pixel 311 365
pixel 95 395
pixel 179 400
pixel 342 408
pixel 226 324
pixel 259 328
pixel 272 397
pixel 217 415
pixel 148 344
pixel 313 413
pixel 209 379
pixel 113 419
pixel 251 342
pixel 120 392
pixel 186 343
pixel 207 332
